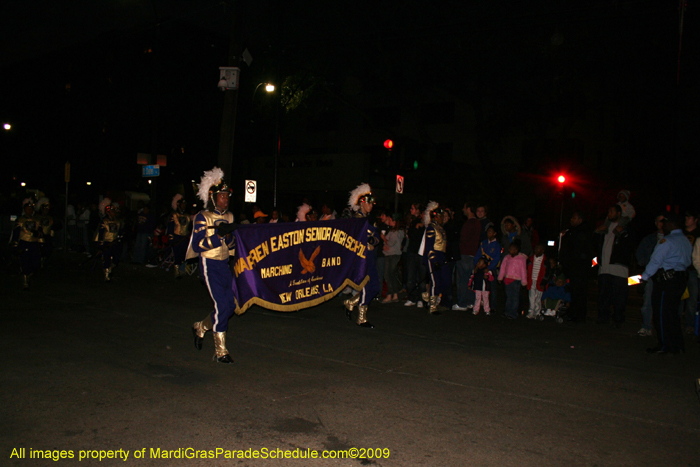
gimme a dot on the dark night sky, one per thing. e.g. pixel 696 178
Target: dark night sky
pixel 529 60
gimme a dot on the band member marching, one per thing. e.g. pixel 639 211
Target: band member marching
pixel 361 203
pixel 26 237
pixel 109 236
pixel 179 230
pixel 305 213
pixel 46 222
pixel 213 241
pixel 433 250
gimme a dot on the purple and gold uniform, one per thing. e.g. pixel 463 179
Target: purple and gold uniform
pixel 433 250
pixel 179 231
pixel 361 203
pixel 26 237
pixel 46 224
pixel 214 249
pixel 109 236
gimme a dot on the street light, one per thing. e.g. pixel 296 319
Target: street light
pixel 270 88
pixel 561 179
pixel 7 126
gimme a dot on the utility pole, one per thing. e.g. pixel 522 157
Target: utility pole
pixel 228 119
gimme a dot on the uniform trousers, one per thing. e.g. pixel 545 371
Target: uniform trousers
pixel 111 254
pixel 439 274
pixel 665 300
pixel 217 275
pixel 372 288
pixel 179 245
pixel 29 257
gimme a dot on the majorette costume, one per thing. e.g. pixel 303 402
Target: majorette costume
pixel 361 203
pixel 109 236
pixel 179 230
pixel 213 241
pixel 433 250
pixel 26 237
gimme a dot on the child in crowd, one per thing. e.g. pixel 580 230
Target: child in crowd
pixel 627 212
pixel 553 270
pixel 536 273
pixel 514 275
pixel 480 283
pixel 556 296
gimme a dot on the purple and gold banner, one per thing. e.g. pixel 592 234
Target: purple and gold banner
pixel 290 266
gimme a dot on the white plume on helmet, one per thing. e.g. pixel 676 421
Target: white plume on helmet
pixel 42 201
pixel 432 206
pixel 103 205
pixel 302 211
pixel 176 199
pixel 210 178
pixel 356 194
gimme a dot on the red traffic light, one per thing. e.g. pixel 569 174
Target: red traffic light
pixel 561 179
pixel 388 144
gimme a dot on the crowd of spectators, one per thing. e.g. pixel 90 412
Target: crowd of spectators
pixel 499 267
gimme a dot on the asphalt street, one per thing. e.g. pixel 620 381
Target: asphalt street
pixel 92 366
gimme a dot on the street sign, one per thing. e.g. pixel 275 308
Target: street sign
pixel 228 77
pixel 150 170
pixel 399 184
pixel 251 191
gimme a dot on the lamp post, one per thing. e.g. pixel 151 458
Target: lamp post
pixel 561 179
pixel 270 88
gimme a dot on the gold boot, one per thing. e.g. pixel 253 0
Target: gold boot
pixel 350 304
pixel 221 355
pixel 433 303
pixel 199 329
pixel 107 272
pixel 362 317
pixel 25 282
pixel 178 274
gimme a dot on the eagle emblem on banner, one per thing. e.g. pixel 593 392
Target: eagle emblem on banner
pixel 308 264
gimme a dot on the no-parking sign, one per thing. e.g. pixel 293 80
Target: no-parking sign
pixel 399 184
pixel 251 191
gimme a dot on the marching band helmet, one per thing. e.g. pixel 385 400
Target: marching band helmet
pixel 361 194
pixel 177 199
pixel 43 203
pixel 432 212
pixel 212 184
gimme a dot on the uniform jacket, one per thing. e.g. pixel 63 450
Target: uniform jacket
pixel 205 242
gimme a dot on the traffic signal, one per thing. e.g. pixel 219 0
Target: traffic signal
pixel 561 179
pixel 388 144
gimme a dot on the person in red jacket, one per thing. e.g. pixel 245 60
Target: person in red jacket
pixel 536 272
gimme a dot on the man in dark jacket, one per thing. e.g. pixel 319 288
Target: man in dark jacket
pixel 614 257
pixel 576 254
pixel 469 239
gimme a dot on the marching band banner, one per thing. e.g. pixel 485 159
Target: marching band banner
pixel 290 266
